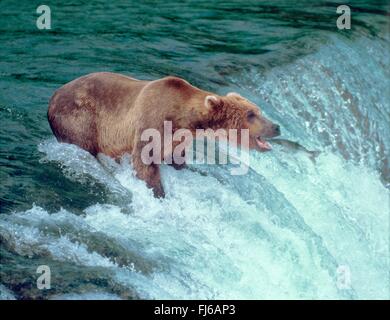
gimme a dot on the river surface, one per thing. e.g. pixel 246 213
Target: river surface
pixel 299 225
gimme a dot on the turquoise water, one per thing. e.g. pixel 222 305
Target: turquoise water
pixel 296 226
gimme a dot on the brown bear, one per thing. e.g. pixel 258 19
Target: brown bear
pixel 106 113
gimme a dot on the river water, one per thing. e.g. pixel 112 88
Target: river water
pixel 298 225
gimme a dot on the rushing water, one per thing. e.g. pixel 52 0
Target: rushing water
pixel 300 224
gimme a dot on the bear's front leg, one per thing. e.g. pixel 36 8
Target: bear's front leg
pixel 179 166
pixel 178 157
pixel 150 173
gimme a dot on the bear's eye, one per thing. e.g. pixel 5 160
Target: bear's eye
pixel 251 116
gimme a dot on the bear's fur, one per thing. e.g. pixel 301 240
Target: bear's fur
pixel 107 113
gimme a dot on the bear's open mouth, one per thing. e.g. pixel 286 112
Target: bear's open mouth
pixel 262 144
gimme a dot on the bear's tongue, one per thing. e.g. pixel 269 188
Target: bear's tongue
pixel 263 145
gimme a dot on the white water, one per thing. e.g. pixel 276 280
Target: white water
pixel 291 228
pixel 282 231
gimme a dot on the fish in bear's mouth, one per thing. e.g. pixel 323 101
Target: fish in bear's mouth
pixel 263 144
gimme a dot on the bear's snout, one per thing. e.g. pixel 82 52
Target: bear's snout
pixel 269 129
pixel 276 129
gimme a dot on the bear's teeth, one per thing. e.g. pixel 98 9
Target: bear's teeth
pixel 264 145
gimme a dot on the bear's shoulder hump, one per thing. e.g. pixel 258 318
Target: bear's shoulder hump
pixel 175 82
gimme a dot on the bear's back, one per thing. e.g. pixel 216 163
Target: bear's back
pixel 81 108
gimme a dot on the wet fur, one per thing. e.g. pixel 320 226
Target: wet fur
pixel 107 113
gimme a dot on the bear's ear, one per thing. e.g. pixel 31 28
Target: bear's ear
pixel 211 102
pixel 234 95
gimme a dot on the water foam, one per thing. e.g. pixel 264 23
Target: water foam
pixel 293 227
pixel 282 231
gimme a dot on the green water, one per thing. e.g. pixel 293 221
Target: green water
pixel 204 42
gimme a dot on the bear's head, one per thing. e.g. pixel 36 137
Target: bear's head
pixel 235 112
